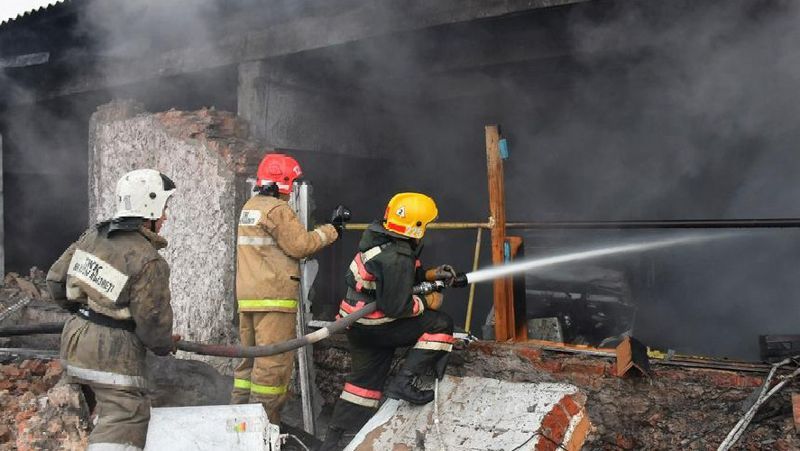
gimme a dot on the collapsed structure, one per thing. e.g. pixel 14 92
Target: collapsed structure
pixel 375 99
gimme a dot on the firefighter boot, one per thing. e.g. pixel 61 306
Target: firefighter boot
pixel 332 438
pixel 402 387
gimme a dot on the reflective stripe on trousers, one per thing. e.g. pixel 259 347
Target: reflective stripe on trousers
pixel 105 377
pixel 242 384
pixel 112 447
pixel 435 342
pixel 361 396
pixel 258 389
pixel 267 303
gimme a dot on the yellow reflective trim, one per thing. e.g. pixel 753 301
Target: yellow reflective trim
pixel 267 303
pixel 241 383
pixel 268 389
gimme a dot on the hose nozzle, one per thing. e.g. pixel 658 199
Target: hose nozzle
pixel 460 280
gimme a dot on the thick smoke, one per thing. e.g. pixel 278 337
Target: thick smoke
pixel 693 107
pixel 614 110
pixel 657 110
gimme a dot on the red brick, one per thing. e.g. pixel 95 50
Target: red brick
pixel 545 445
pixel 796 410
pixel 551 366
pixel 729 379
pixel 12 371
pixel 589 368
pixel 570 406
pixel 534 355
pixel 555 424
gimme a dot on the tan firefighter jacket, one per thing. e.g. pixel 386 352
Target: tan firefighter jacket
pixel 120 276
pixel 270 243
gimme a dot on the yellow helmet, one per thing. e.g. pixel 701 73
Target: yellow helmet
pixel 408 214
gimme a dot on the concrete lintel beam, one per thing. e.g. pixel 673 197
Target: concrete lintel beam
pixel 369 19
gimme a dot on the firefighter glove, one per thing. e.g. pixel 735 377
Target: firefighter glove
pixel 339 217
pixel 434 300
pixel 444 272
pixel 328 233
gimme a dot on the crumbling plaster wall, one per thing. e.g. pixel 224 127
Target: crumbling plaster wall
pixel 205 153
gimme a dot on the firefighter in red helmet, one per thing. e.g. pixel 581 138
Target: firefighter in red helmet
pixel 271 240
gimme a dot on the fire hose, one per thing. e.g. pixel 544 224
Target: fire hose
pixel 236 351
pixel 336 327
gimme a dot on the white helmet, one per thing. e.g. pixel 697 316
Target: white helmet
pixel 143 193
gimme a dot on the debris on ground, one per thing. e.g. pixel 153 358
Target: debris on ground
pixel 37 412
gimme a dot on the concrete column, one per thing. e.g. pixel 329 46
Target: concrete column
pixel 253 97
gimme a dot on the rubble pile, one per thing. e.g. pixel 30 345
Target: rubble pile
pixel 677 407
pixel 36 412
pixel 25 300
pixel 17 292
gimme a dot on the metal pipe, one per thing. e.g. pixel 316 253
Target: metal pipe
pixel 31 329
pixel 432 226
pixel 475 260
pixel 235 351
pixel 661 224
pixel 633 224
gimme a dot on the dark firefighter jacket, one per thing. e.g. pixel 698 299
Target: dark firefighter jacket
pixel 384 271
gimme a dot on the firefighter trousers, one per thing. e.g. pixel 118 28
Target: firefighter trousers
pixel 265 380
pixel 372 349
pixel 123 415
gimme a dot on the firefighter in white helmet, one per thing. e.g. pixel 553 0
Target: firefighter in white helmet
pixel 270 243
pixel 117 285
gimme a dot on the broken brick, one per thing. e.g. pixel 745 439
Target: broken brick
pixel 569 405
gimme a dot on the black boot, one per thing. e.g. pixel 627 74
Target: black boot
pixel 402 387
pixel 332 438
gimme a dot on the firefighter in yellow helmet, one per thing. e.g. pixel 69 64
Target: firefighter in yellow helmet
pixel 117 285
pixel 271 240
pixel 384 271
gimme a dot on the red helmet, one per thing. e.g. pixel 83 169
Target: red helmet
pixel 279 169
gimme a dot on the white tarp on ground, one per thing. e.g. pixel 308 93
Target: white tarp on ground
pixel 479 414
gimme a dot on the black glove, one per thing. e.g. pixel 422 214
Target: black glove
pixel 445 273
pixel 339 217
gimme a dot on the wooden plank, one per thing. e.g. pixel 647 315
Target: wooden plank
pixel 503 308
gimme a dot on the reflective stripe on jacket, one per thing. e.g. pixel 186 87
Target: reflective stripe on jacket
pixel 383 271
pixel 119 274
pixel 271 240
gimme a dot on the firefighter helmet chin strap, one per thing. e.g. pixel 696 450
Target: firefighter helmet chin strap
pixel 125 224
pixel 268 189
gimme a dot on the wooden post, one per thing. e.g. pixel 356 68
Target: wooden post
pixel 503 308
